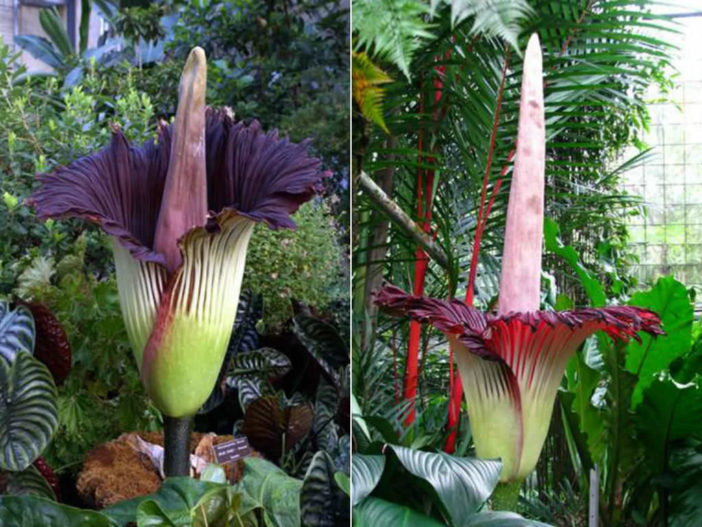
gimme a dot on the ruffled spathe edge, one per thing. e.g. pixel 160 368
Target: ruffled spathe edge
pixel 120 187
pixel 477 330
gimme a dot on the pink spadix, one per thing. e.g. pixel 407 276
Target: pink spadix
pixel 520 282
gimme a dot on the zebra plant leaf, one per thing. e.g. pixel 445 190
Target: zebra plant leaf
pixel 323 342
pixel 325 408
pixel 28 411
pixel 251 372
pixel 322 501
pixel 16 331
pixel 28 482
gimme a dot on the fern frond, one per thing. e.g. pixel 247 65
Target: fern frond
pixel 391 30
pixel 366 80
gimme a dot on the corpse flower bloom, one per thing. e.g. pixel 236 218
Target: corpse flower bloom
pixel 512 362
pixel 181 211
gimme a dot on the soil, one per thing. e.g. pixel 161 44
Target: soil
pixel 115 471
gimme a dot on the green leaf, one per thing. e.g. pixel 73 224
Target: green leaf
pixel 669 412
pixel 391 29
pixel 593 288
pixel 41 49
pixel 30 511
pixel 16 331
pixel 323 342
pixel 462 485
pixel 374 512
pixel 500 519
pixel 273 491
pixel 366 472
pixel 493 18
pixel 669 299
pixel 686 495
pixel 28 411
pixel 344 482
pixel 213 473
pixel 28 482
pixel 52 24
pixel 322 503
pixel 175 499
pixel 150 514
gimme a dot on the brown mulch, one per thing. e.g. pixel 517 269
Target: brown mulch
pixel 115 471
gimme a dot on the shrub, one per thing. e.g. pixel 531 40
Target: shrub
pixel 303 264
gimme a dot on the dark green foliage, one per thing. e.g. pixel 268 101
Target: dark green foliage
pixel 28 482
pixel 407 486
pixel 265 497
pixel 322 501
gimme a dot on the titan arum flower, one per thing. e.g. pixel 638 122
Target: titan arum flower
pixel 181 211
pixel 512 362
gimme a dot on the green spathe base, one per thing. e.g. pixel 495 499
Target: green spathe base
pixel 506 496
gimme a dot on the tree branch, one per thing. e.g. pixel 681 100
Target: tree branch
pixel 402 220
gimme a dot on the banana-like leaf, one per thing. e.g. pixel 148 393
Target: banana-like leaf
pixel 500 519
pixel 366 472
pixel 28 411
pixel 16 331
pixel 28 482
pixel 374 512
pixel 322 502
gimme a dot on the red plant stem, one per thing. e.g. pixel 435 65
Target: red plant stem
pixel 411 374
pixel 425 188
pixel 455 383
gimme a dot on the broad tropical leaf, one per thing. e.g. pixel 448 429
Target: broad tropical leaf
pixel 462 485
pixel 669 298
pixel 276 494
pixel 273 429
pixel 30 511
pixel 16 331
pixel 366 474
pixel 28 482
pixel 28 411
pixel 374 512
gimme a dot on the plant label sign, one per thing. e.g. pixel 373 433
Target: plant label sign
pixel 231 450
